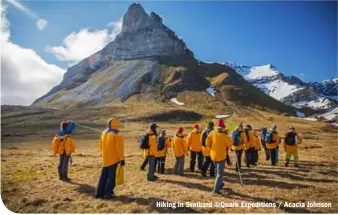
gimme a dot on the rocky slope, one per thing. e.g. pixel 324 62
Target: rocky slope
pixel 149 61
pixel 290 89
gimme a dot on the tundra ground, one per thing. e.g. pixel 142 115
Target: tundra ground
pixel 30 183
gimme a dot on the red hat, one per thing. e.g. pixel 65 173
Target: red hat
pixel 180 130
pixel 196 126
pixel 220 123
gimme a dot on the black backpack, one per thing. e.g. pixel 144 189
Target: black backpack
pixel 290 139
pixel 160 143
pixel 143 141
pixel 205 135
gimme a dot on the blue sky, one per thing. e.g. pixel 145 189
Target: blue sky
pixel 299 38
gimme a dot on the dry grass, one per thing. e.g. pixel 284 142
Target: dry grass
pixel 30 183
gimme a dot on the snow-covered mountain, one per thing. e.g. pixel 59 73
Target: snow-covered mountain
pixel 290 89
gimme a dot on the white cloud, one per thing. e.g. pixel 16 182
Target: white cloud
pixel 25 76
pixel 40 23
pixel 79 45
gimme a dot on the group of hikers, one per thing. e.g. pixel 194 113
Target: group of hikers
pixel 210 148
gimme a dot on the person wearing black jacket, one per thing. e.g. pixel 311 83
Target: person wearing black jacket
pixel 206 153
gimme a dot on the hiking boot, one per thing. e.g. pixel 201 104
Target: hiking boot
pixel 216 192
pixel 99 196
pixel 212 176
pixel 296 165
pixel 67 179
pixel 111 196
pixel 287 164
pixel 155 177
pixel 142 168
pixel 203 174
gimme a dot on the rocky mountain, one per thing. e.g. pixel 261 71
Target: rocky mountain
pixel 147 60
pixel 290 89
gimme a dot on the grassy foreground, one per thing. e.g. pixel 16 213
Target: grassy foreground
pixel 30 183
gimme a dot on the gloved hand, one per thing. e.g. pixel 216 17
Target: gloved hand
pixel 122 163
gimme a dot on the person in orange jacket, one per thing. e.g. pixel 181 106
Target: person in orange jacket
pixel 291 142
pixel 180 150
pixel 256 146
pixel 195 147
pixel 239 140
pixel 112 149
pixel 163 144
pixel 272 144
pixel 64 145
pixel 206 152
pixel 151 152
pixel 218 142
pixel 248 146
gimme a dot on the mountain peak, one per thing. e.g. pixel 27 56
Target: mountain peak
pixel 137 18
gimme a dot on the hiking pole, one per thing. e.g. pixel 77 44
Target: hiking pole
pixel 94 129
pixel 238 170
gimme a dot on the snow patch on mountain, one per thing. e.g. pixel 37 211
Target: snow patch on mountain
pixel 331 114
pixel 317 104
pixel 311 119
pixel 175 101
pixel 277 89
pixel 260 72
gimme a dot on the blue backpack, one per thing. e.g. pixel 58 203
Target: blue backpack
pixel 160 143
pixel 268 138
pixel 236 138
pixel 264 132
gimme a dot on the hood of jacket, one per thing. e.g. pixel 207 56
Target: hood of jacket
pixel 113 124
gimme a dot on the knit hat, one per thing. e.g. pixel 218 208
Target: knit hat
pixel 180 130
pixel 274 127
pixel 196 126
pixel 220 123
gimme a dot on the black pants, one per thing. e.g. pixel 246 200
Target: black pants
pixel 239 159
pixel 63 166
pixel 144 164
pixel 106 183
pixel 206 164
pixel 160 164
pixel 273 153
pixel 250 157
pixel 255 156
pixel 193 160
